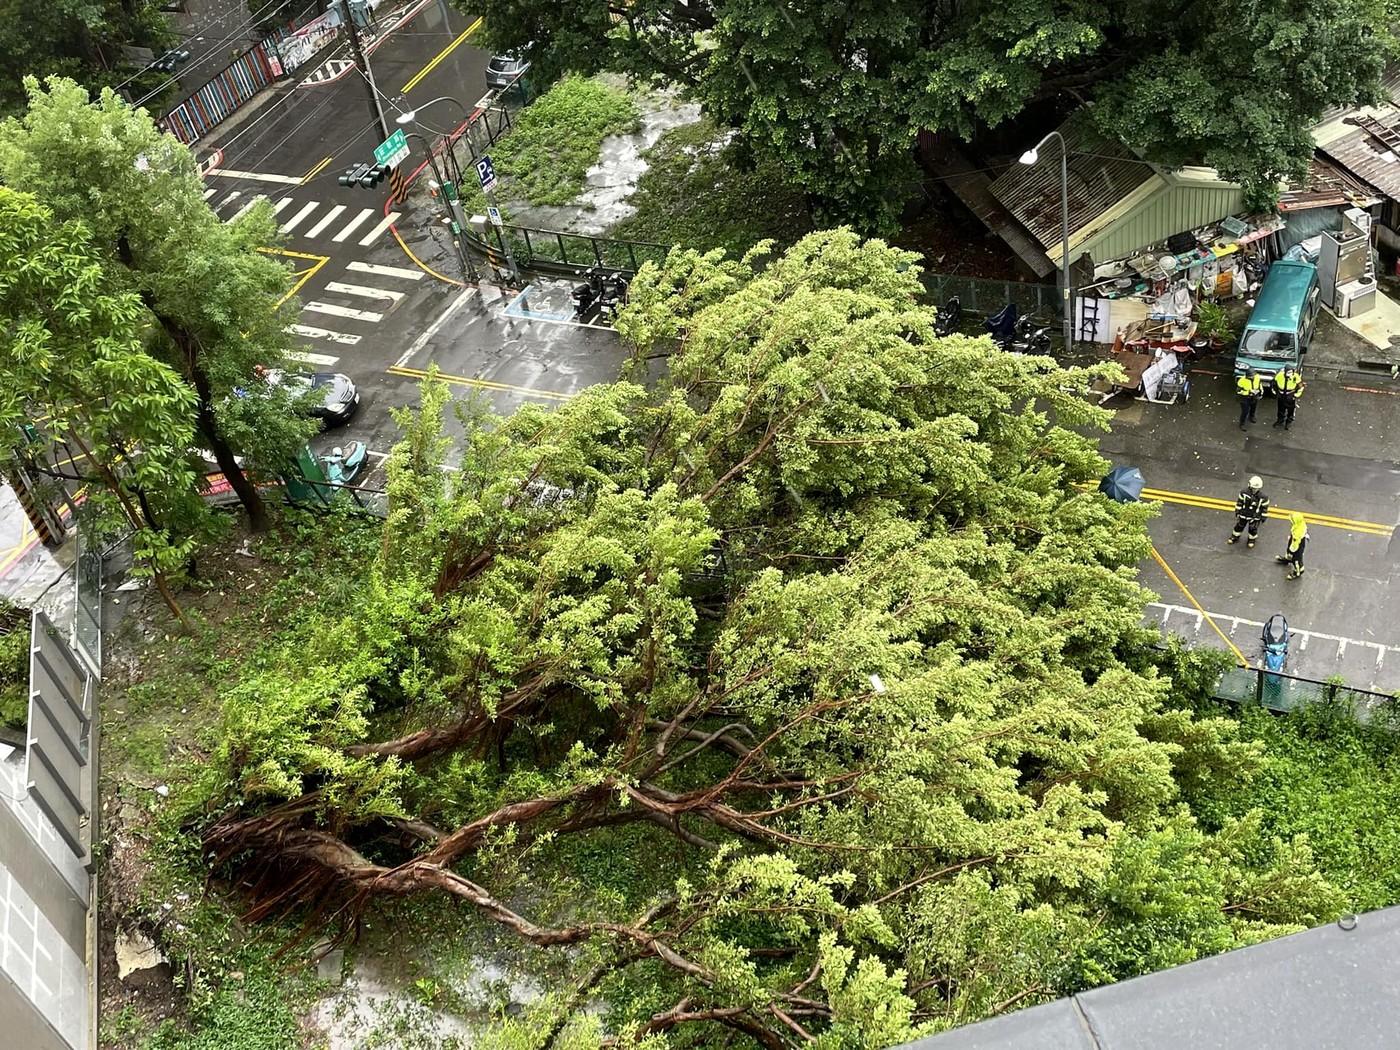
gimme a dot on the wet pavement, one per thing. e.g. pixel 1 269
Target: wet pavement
pixel 1336 464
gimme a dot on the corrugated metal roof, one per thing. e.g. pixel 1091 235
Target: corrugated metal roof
pixel 1174 205
pixel 1367 158
pixel 1328 987
pixel 1326 186
pixel 1101 173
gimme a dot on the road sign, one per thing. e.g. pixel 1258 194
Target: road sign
pixel 494 214
pixel 393 151
pixel 486 172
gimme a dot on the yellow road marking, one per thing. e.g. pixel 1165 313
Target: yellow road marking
pixel 1189 499
pixel 1192 599
pixel 441 55
pixel 303 276
pixel 315 171
pixel 420 263
pixel 480 384
pixel 26 534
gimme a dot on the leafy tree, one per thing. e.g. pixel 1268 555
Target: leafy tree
pixel 838 91
pixel 216 301
pixel 82 39
pixel 73 355
pixel 821 636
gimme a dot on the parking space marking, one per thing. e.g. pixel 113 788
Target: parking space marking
pixel 514 309
pixel 305 358
pixel 480 384
pixel 385 271
pixel 1168 611
pixel 364 291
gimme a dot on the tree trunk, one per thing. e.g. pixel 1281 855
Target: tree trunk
pixel 258 519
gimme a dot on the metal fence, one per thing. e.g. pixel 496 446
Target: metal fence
pixel 557 253
pixel 217 100
pixel 984 297
pixel 1282 692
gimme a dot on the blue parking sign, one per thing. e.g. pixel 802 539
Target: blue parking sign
pixel 486 172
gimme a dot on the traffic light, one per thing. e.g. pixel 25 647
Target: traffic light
pixel 352 176
pixel 375 174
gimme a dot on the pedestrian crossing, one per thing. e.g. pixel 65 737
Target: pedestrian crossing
pixel 306 220
pixel 345 313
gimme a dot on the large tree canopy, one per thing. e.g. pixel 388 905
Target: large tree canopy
pixel 839 90
pixel 822 633
pixel 217 302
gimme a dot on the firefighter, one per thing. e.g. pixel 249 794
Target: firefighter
pixel 1297 543
pixel 1250 510
pixel 1249 388
pixel 1288 386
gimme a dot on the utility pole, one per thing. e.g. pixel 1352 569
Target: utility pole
pixel 363 63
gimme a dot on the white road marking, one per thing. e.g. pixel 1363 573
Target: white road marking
pixel 244 210
pixel 350 226
pixel 308 332
pixel 296 220
pixel 209 193
pixel 364 291
pixel 389 220
pixel 325 221
pixel 228 200
pixel 432 329
pixel 308 358
pixel 278 208
pixel 256 176
pixel 343 311
pixel 1303 636
pixel 385 271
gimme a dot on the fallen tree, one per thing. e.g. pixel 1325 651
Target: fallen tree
pixel 825 623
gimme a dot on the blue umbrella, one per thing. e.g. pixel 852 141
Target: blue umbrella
pixel 1125 484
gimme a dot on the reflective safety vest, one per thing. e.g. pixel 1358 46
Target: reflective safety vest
pixel 1250 386
pixel 1288 382
pixel 1252 506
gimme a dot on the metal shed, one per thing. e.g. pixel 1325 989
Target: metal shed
pixel 1118 203
pixel 1331 988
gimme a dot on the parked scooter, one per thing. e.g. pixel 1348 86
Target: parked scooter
pixel 948 317
pixel 1275 635
pixel 1016 334
pixel 342 466
pixel 587 296
pixel 614 295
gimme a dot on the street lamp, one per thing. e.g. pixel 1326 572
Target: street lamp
pixel 1032 156
pixel 468 270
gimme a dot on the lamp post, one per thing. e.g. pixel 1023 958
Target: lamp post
pixel 1031 156
pixel 468 270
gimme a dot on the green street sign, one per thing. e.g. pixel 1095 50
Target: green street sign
pixel 393 150
pixel 455 228
pixel 449 190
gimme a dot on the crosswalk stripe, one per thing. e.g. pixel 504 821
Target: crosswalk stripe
pixel 325 221
pixel 243 210
pixel 343 311
pixel 209 193
pixel 321 333
pixel 385 271
pixel 295 220
pixel 228 200
pixel 280 205
pixel 364 291
pixel 306 358
pixel 389 220
pixel 350 226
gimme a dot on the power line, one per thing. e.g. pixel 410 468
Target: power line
pixel 218 45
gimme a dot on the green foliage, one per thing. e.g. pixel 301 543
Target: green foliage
pixel 556 139
pixel 700 191
pixel 837 92
pixel 14 668
pixel 248 1015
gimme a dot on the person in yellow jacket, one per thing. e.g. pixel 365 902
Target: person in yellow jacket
pixel 1297 543
pixel 1288 388
pixel 1249 388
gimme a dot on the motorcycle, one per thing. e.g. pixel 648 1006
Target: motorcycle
pixel 342 466
pixel 948 317
pixel 1016 334
pixel 1275 637
pixel 614 295
pixel 587 296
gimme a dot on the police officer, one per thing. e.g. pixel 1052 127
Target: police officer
pixel 1250 510
pixel 1249 388
pixel 1288 387
pixel 1297 543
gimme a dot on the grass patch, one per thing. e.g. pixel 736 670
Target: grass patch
pixel 700 192
pixel 555 140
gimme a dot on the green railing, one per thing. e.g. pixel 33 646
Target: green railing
pixel 1283 692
